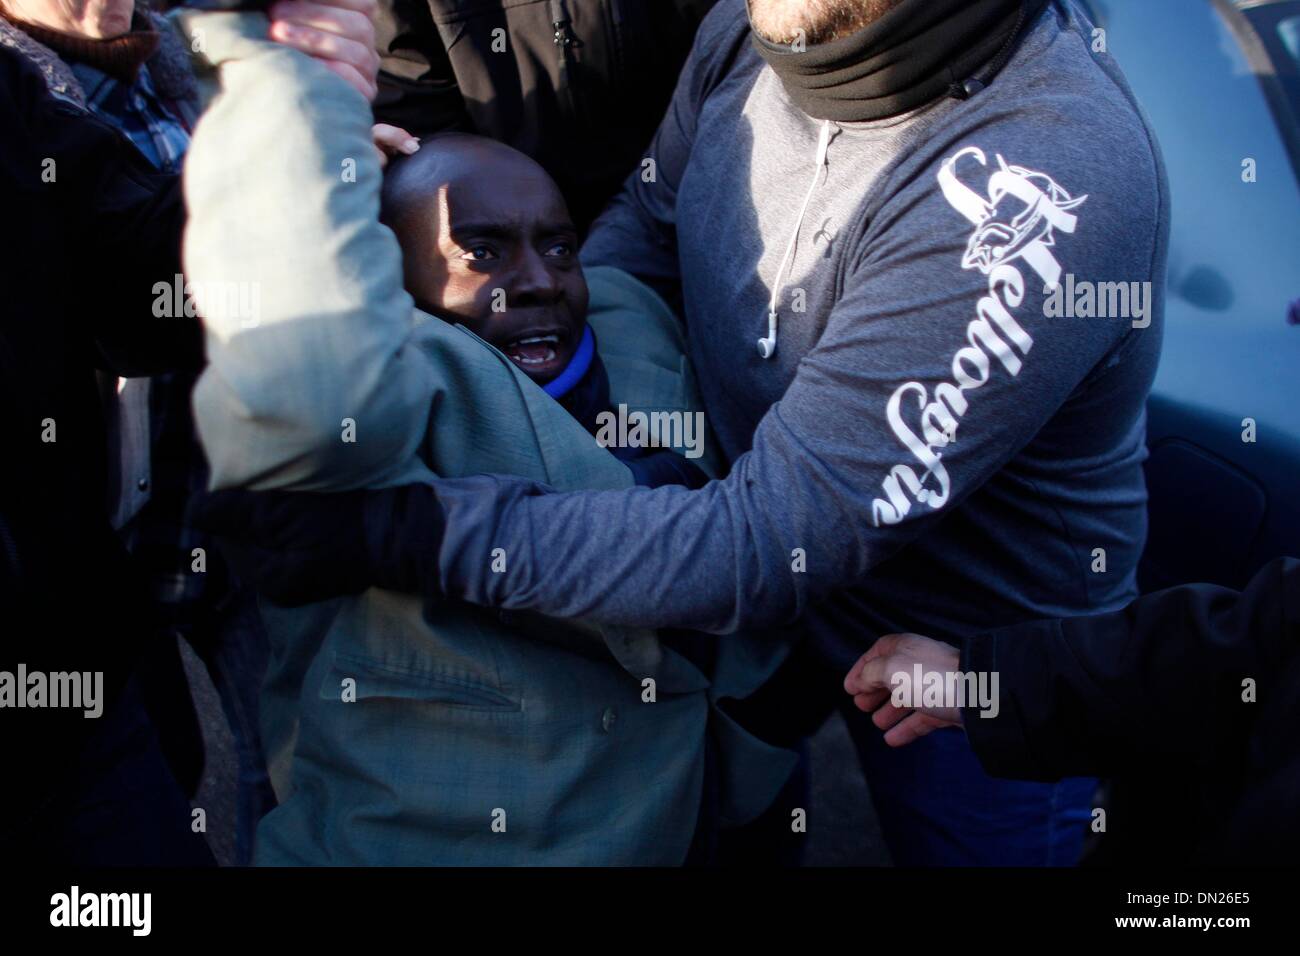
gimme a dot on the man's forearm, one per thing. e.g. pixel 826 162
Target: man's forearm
pixel 707 560
pixel 309 383
pixel 1161 681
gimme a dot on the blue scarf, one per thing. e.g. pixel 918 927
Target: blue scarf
pixel 577 367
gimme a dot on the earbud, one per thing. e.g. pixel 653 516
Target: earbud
pixel 767 344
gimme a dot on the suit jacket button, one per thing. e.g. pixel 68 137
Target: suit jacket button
pixel 607 719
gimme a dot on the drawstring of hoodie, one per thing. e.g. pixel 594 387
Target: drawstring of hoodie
pixel 910 56
pixel 767 345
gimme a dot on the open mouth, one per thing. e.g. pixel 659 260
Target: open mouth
pixel 535 352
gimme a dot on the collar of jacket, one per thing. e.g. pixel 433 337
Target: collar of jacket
pixel 586 398
pixel 119 57
pixel 576 370
pixel 917 52
pixel 169 66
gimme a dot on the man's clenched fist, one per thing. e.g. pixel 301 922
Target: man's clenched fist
pixel 872 681
pixel 339 33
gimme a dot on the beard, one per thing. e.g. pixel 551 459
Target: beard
pixel 815 21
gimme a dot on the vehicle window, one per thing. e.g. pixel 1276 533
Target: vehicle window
pixel 1235 241
pixel 1288 32
pixel 1278 27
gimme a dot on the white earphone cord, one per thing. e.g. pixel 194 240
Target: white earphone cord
pixel 767 346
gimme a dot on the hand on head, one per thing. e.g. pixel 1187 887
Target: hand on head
pixel 873 678
pixel 393 141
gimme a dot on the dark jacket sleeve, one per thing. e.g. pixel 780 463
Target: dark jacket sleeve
pixel 134 217
pixel 578 85
pixel 80 226
pixel 124 222
pixel 1174 678
pixel 637 231
pixel 417 86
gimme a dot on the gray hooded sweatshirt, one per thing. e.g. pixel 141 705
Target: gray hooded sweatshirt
pixel 949 431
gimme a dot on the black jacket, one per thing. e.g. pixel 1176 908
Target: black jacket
pixel 88 230
pixel 1156 697
pixel 579 85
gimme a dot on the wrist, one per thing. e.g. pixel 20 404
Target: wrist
pixel 403 530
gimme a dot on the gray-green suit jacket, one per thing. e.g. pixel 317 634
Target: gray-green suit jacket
pixel 404 731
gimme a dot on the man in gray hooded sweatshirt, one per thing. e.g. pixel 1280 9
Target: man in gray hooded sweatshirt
pixel 872 215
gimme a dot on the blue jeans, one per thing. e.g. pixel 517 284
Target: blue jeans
pixel 937 806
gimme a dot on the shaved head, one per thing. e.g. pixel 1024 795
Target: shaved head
pixel 815 21
pixel 415 186
pixel 487 242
